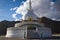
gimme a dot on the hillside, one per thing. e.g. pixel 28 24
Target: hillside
pixel 54 25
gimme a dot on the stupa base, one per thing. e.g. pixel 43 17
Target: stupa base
pixel 15 33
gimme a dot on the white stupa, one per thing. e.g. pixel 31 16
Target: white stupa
pixel 29 28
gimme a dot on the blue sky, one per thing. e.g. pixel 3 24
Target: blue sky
pixel 6 5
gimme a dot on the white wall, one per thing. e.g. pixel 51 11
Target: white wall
pixel 44 32
pixel 15 33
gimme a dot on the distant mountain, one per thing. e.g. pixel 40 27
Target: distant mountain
pixel 53 24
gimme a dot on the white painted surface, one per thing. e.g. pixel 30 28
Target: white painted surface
pixel 18 24
pixel 21 32
pixel 15 33
pixel 45 32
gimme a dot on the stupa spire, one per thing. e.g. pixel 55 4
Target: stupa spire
pixel 30 5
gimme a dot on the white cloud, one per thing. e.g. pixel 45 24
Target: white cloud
pixel 12 9
pixel 14 16
pixel 55 13
pixel 53 19
pixel 52 3
pixel 57 5
pixel 16 19
pixel 40 8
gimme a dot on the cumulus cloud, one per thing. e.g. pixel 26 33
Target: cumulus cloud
pixel 14 16
pixel 41 8
pixel 55 13
pixel 12 9
pixel 57 6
